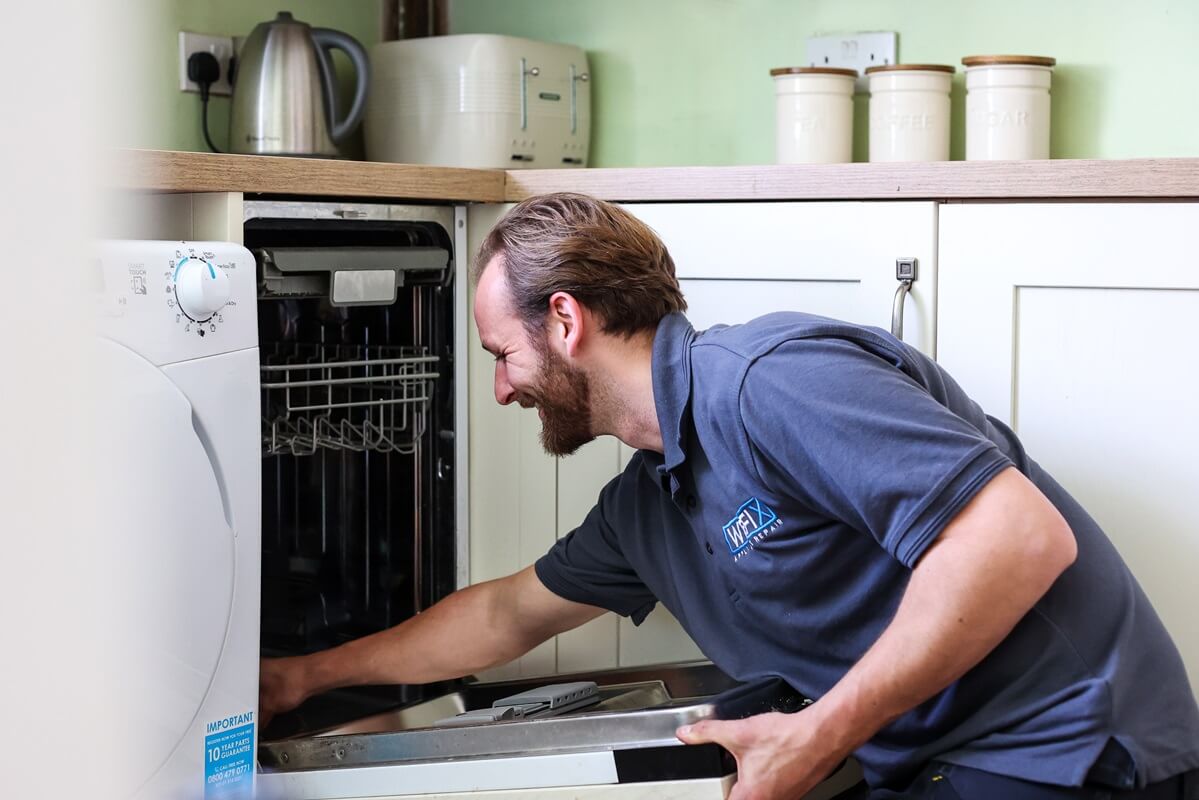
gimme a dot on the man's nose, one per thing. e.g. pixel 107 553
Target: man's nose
pixel 504 393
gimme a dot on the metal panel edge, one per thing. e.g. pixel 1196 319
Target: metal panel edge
pixel 575 769
pixel 461 401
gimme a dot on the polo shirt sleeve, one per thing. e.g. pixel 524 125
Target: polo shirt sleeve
pixel 589 566
pixel 857 439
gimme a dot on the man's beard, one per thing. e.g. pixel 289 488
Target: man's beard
pixel 563 395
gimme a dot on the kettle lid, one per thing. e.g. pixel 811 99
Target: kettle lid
pixel 283 21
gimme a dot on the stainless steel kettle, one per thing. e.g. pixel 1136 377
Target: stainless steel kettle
pixel 285 94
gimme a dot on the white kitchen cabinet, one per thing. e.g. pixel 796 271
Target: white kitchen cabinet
pixel 735 261
pixel 1076 325
pixel 197 216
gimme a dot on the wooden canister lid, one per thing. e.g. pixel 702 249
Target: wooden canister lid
pixel 987 61
pixel 913 67
pixel 852 73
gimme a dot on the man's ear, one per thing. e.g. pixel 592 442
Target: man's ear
pixel 567 323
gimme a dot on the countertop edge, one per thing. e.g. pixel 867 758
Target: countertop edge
pixel 171 171
pixel 1065 179
pixel 1161 178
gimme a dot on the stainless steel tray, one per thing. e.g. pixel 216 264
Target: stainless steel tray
pixel 631 715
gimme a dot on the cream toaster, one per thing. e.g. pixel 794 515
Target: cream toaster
pixel 479 100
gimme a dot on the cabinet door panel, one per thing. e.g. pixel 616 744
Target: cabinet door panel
pixel 1075 324
pixel 833 259
pixel 512 481
pixel 711 302
pixel 580 478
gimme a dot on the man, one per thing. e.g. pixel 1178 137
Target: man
pixel 811 499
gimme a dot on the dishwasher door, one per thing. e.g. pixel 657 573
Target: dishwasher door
pixel 622 746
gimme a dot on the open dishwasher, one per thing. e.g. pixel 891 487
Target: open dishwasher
pixel 362 330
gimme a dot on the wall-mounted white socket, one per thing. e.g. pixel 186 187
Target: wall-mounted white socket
pixel 854 51
pixel 219 46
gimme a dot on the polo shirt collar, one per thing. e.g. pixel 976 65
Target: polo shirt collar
pixel 671 363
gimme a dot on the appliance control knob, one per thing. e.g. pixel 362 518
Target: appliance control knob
pixel 200 288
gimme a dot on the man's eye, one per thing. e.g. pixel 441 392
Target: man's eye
pixel 500 357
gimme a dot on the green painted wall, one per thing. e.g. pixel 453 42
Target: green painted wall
pixel 171 118
pixel 686 81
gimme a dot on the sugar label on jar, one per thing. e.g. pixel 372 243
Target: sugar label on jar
pixel 1004 119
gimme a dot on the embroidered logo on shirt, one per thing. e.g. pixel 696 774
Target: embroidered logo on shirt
pixel 754 519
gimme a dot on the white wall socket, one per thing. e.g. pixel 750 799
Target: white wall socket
pixel 854 51
pixel 219 46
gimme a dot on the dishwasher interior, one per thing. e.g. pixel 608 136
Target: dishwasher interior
pixel 356 337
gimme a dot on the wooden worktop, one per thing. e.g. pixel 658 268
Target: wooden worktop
pixel 170 171
pixel 1153 178
pixel 941 180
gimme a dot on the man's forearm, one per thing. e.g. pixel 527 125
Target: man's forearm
pixel 965 596
pixel 462 634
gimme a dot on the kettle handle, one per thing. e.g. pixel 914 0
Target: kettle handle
pixel 328 39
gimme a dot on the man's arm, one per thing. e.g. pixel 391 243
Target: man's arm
pixel 985 571
pixel 479 627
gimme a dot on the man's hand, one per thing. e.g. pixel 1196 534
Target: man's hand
pixel 281 687
pixel 779 756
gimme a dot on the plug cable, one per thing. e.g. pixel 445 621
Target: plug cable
pixel 204 70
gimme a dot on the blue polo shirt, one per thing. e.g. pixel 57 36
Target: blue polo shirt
pixel 808 464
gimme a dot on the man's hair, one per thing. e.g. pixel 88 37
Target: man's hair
pixel 603 256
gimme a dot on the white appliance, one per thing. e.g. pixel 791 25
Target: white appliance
pixel 479 100
pixel 179 419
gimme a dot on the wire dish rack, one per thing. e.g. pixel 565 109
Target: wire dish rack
pixel 345 397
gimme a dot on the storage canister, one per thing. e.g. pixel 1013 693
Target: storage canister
pixel 909 112
pixel 813 115
pixel 1007 107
